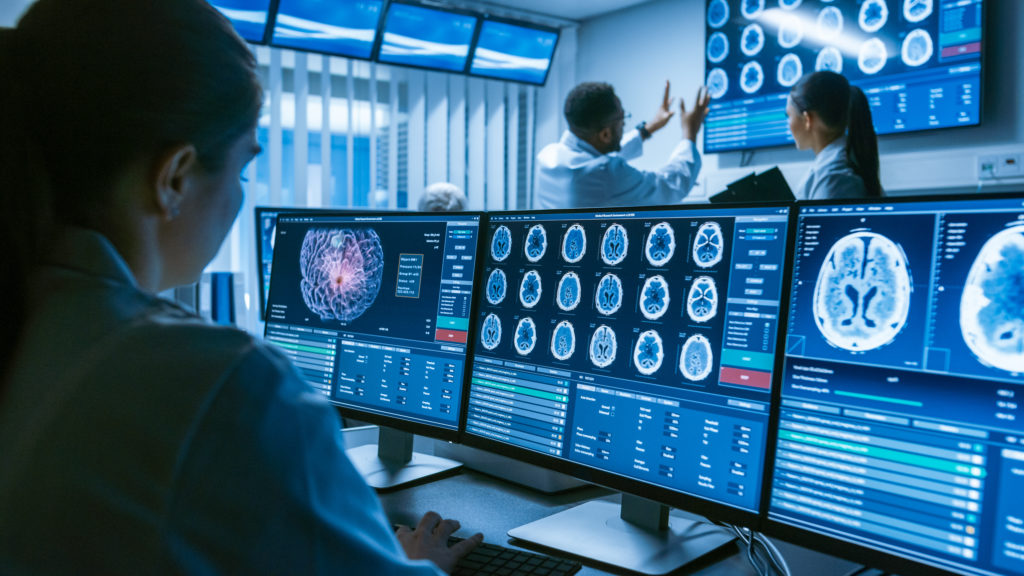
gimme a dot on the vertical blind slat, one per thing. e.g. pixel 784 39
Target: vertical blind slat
pixel 457 130
pixel 301 140
pixel 476 168
pixel 417 136
pixel 495 185
pixel 437 128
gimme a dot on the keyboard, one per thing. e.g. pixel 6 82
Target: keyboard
pixel 493 559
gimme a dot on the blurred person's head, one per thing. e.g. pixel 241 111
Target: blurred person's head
pixel 442 197
pixel 594 114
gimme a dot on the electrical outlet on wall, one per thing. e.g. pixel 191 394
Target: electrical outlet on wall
pixel 993 166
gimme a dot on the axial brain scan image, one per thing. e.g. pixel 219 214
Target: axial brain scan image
pixel 696 359
pixel 661 244
pixel 718 83
pixel 563 341
pixel 490 332
pixel 718 13
pixel 718 47
pixel 862 295
pixel 614 245
pixel 536 243
pixel 530 289
pixel 574 244
pixel 569 291
pixel 830 58
pixel 609 294
pixel 992 305
pixel 648 353
pixel 501 243
pixel 341 271
pixel 654 298
pixel 497 284
pixel 917 10
pixel 830 23
pixel 702 301
pixel 791 32
pixel 873 15
pixel 752 40
pixel 603 347
pixel 790 70
pixel 526 336
pixel 751 77
pixel 790 4
pixel 751 9
pixel 872 56
pixel 709 245
pixel 917 48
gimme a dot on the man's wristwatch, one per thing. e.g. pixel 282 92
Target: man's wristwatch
pixel 644 132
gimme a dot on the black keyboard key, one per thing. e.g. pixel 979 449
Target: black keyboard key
pixel 490 559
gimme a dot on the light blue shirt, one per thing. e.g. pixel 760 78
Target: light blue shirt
pixel 831 176
pixel 573 174
pixel 137 439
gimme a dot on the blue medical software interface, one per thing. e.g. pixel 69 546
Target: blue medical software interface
pixel 375 310
pixel 637 343
pixel 340 27
pixel 513 52
pixel 901 427
pixel 419 36
pixel 918 62
pixel 249 17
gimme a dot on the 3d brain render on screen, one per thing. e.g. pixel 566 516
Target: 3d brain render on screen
pixel 661 244
pixel 862 295
pixel 563 340
pixel 341 271
pixel 574 244
pixel 992 305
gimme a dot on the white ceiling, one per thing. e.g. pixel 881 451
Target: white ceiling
pixel 568 9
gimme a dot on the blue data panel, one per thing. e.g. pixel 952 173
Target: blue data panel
pixel 249 17
pixel 918 61
pixel 427 38
pixel 640 344
pixel 339 27
pixel 900 427
pixel 375 310
pixel 513 52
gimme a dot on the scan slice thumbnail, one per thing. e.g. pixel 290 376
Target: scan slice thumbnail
pixel 661 244
pixel 536 243
pixel 614 245
pixel 526 336
pixel 791 32
pixel 992 305
pixel 648 353
pixel 917 10
pixel 490 332
pixel 718 47
pixel 790 70
pixel 872 56
pixel 718 83
pixel 497 285
pixel 752 40
pixel 341 271
pixel 574 244
pixel 751 77
pixel 501 243
pixel 873 15
pixel 862 295
pixel 569 291
pixel 530 289
pixel 563 341
pixel 603 347
pixel 609 294
pixel 718 13
pixel 709 245
pixel 751 9
pixel 830 22
pixel 702 300
pixel 917 48
pixel 830 58
pixel 654 298
pixel 696 358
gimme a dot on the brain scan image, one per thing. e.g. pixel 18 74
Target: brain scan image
pixel 862 295
pixel 497 284
pixel 751 77
pixel 490 332
pixel 569 291
pixel 790 4
pixel 992 305
pixel 648 353
pixel 872 56
pixel 830 58
pixel 501 243
pixel 574 244
pixel 790 70
pixel 536 243
pixel 341 272
pixel 530 289
pixel 917 48
pixel 661 244
pixel 873 15
pixel 718 13
pixel 718 47
pixel 752 40
pixel 563 341
pixel 917 10
pixel 696 359
pixel 709 245
pixel 791 32
pixel 702 301
pixel 603 347
pixel 526 336
pixel 609 295
pixel 751 9
pixel 830 22
pixel 614 245
pixel 718 83
pixel 654 298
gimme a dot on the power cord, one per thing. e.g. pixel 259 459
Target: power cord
pixel 746 157
pixel 761 552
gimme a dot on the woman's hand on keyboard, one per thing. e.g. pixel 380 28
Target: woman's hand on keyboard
pixel 430 541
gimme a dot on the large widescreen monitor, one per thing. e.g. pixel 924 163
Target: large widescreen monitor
pixel 918 61
pixel 338 27
pixel 511 51
pixel 634 348
pixel 424 37
pixel 901 434
pixel 374 310
pixel 249 17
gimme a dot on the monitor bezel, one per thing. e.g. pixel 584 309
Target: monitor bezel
pixel 521 24
pixel 396 422
pixel 378 45
pixel 269 37
pixel 268 24
pixel 818 540
pixel 696 504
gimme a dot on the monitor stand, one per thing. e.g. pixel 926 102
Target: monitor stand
pixel 391 462
pixel 640 536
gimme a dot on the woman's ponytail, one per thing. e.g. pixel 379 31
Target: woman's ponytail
pixel 862 143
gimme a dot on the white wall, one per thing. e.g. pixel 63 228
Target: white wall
pixel 11 10
pixel 637 48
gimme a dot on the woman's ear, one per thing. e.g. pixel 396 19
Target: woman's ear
pixel 175 167
pixel 809 119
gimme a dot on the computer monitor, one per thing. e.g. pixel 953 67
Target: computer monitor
pixel 249 17
pixel 374 311
pixel 424 37
pixel 901 435
pixel 337 27
pixel 918 61
pixel 634 348
pixel 513 51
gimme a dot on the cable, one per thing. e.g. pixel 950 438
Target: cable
pixel 746 157
pixel 761 552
